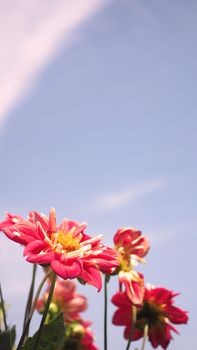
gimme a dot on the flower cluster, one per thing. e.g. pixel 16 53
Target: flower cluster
pixel 67 251
pixel 141 308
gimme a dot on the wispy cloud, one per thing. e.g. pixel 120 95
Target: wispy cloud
pixel 31 33
pixel 130 194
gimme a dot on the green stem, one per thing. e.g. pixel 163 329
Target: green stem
pixel 145 337
pixel 133 321
pixel 128 344
pixel 3 309
pixel 53 280
pixel 105 311
pixel 32 310
pixel 30 297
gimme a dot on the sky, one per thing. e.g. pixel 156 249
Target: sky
pixel 98 119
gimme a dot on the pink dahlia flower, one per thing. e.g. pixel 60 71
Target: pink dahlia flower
pixel 157 312
pixel 64 299
pixel 129 241
pixel 131 247
pixel 66 248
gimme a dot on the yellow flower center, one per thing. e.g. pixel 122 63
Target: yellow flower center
pixel 125 260
pixel 65 241
pixel 124 264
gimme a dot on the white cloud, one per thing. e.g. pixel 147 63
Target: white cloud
pixel 31 32
pixel 128 195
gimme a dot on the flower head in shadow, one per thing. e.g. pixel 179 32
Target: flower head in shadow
pixel 157 312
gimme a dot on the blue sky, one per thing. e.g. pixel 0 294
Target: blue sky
pixel 105 130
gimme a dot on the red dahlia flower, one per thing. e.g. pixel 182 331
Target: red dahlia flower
pixel 66 248
pixel 64 299
pixel 131 247
pixel 157 312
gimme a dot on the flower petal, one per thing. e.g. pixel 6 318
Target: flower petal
pixel 176 315
pixel 36 252
pixel 92 276
pixel 122 317
pixel 137 333
pixel 14 235
pixel 121 300
pixel 68 269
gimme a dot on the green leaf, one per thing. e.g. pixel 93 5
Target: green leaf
pixel 7 339
pixel 52 335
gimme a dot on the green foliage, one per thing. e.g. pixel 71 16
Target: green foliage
pixel 52 336
pixel 7 339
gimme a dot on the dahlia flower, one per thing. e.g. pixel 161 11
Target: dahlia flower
pixel 66 248
pixel 64 299
pixel 130 242
pixel 131 247
pixel 157 312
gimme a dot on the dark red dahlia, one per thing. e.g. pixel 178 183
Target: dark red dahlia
pixel 157 312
